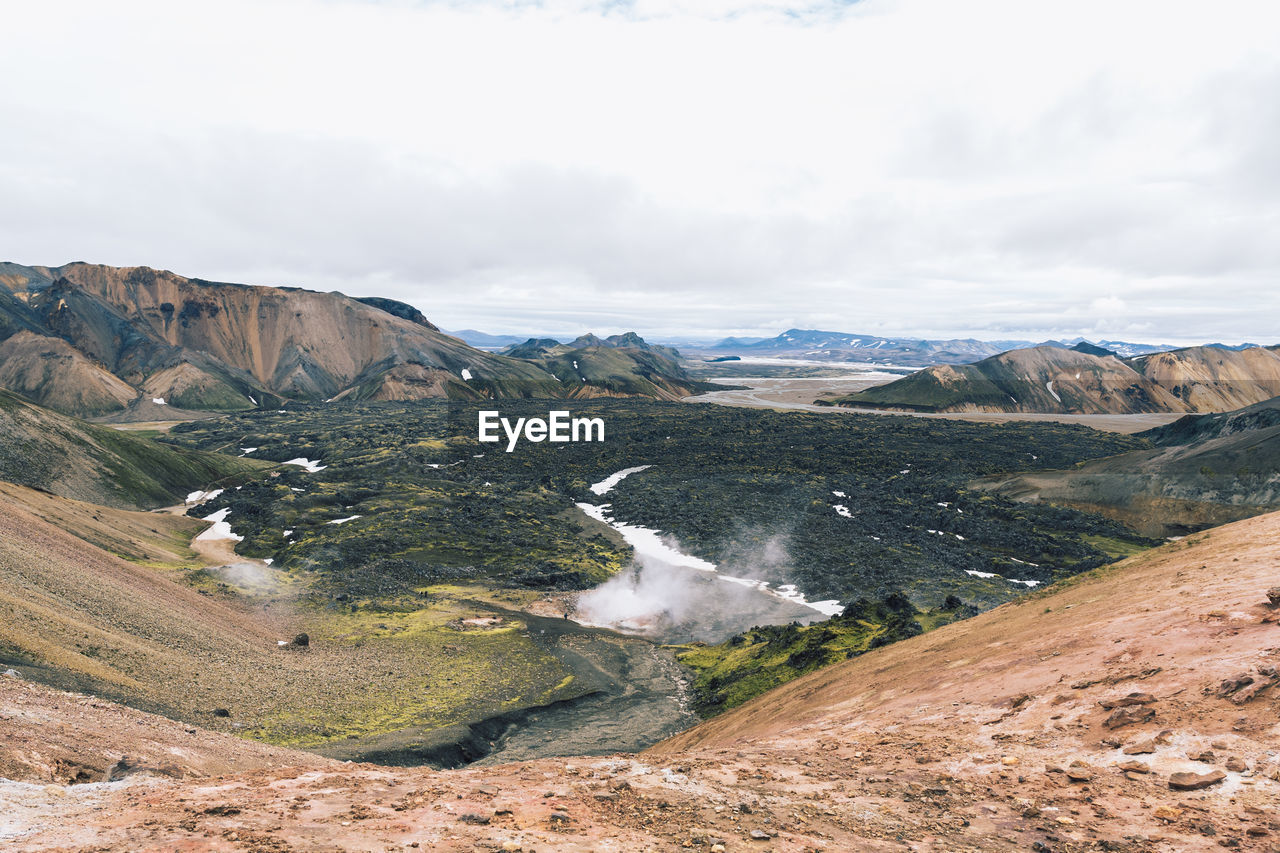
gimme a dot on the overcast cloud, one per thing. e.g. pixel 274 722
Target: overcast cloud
pixel 994 168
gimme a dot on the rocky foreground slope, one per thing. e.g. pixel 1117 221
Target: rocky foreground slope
pixel 1056 380
pixel 1131 709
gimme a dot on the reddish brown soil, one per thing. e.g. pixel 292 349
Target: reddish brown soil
pixel 984 735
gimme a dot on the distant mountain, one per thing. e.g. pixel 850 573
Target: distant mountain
pixel 1124 349
pixel 484 340
pixel 910 352
pixel 1052 379
pixel 619 365
pixel 119 342
pixel 1091 349
pixel 842 346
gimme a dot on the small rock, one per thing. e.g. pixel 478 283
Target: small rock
pixel 472 817
pixel 1135 767
pixel 1009 760
pixel 1236 764
pixel 1249 692
pixel 1273 595
pixel 12 673
pixel 759 835
pixel 1128 715
pixel 301 641
pixel 1078 771
pixel 1204 756
pixel 1195 781
pixel 717 848
pixel 1142 747
pixel 221 712
pixel 511 846
pixel 1167 813
pixel 1125 701
pixel 559 817
pixel 1231 685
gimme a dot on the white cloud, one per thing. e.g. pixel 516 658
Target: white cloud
pixel 890 165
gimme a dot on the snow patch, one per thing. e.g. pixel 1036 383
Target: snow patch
pixel 201 497
pixel 843 510
pixel 312 466
pixel 606 485
pixel 159 401
pixel 466 375
pixel 221 529
pixel 345 520
pixel 1049 385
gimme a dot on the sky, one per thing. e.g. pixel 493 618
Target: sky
pixel 985 168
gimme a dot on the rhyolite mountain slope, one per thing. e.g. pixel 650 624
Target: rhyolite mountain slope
pixel 1051 379
pixel 207 345
pixel 1132 709
pixel 46 450
pixel 1205 470
pixel 94 340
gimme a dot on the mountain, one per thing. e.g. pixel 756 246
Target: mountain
pixel 619 365
pixel 1052 379
pixel 1204 470
pixel 1130 709
pixel 1123 349
pixel 812 343
pixel 45 450
pixel 484 340
pixel 96 341
pixel 1092 349
pixel 910 352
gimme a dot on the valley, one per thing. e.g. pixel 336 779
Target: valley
pixel 815 395
pixel 370 582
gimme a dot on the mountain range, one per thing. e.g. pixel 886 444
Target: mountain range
pixel 94 340
pixel 909 352
pixel 1055 380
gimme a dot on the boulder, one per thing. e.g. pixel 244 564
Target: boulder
pixel 1131 699
pixel 1187 781
pixel 1128 715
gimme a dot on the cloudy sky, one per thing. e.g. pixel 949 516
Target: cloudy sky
pixel 995 168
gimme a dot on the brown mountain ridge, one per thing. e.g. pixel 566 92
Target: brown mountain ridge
pixel 1067 381
pixel 90 340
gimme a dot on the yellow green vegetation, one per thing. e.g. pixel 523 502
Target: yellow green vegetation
pixel 1114 547
pixel 758 660
pixel 444 663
